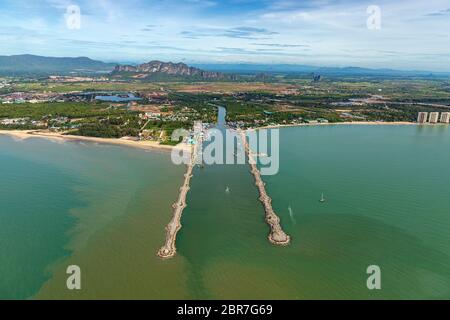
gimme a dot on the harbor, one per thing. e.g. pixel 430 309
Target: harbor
pixel 276 236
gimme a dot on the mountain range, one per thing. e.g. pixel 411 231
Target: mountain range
pixel 248 68
pixel 31 64
pixel 156 70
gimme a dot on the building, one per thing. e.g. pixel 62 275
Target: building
pixel 153 115
pixel 445 117
pixel 198 127
pixel 434 117
pixel 150 116
pixel 423 117
pixel 17 121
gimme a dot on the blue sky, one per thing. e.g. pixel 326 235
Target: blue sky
pixel 414 34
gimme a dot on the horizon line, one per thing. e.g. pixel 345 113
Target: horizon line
pixel 226 63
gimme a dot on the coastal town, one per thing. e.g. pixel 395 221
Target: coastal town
pixel 113 106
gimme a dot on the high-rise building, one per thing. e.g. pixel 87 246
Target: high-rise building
pixel 423 117
pixel 434 117
pixel 445 117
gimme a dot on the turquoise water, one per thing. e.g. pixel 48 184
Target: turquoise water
pixel 387 204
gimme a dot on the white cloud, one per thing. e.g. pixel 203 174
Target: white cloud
pixel 334 31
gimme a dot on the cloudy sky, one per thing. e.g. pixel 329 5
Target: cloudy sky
pixel 413 34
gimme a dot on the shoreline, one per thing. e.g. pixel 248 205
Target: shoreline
pixel 373 123
pixel 145 145
pixel 153 145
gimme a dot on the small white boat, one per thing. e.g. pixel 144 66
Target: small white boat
pixel 227 190
pixel 322 199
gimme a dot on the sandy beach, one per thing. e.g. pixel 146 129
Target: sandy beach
pixel 27 134
pixel 147 145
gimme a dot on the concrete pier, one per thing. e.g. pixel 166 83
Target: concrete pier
pixel 276 236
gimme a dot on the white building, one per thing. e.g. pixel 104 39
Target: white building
pixel 153 115
pixel 423 117
pixel 434 117
pixel 8 122
pixel 445 117
pixel 150 116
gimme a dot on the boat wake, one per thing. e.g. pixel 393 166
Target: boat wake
pixel 291 215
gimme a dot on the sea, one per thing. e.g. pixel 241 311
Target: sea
pixel 104 208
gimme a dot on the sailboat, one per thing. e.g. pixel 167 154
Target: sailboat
pixel 322 199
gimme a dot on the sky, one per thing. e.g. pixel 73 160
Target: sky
pixel 396 34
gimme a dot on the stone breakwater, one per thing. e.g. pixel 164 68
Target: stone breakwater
pixel 169 249
pixel 277 235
